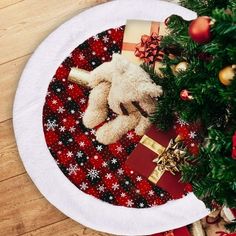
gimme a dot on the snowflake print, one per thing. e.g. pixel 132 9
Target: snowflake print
pixel 82 144
pixel 120 171
pixel 69 154
pixel 130 136
pixel 129 203
pixel 81 56
pixel 105 39
pixel 60 110
pixel 115 186
pixel 119 149
pixel 62 128
pixel 84 186
pixel 95 38
pixel 123 195
pixel 72 129
pixel 114 161
pixel 99 148
pixel 151 193
pixel 93 173
pixel 138 178
pixel 70 86
pixel 108 176
pixel 181 122
pixel 192 134
pixel 54 101
pixel 82 100
pixel 104 164
pixel 51 125
pixel 93 131
pixel 72 169
pixel 79 154
pixel 101 188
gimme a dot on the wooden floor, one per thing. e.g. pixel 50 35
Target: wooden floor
pixel 23 25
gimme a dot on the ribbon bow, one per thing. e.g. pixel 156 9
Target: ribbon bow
pixel 171 157
pixel 149 48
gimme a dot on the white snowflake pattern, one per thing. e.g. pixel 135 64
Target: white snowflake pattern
pixel 95 38
pixel 84 186
pixel 123 195
pixel 72 169
pixel 54 101
pixel 72 111
pixel 79 154
pixel 138 178
pixel 120 171
pixel 62 128
pixel 101 188
pixel 51 125
pixel 129 203
pixel 82 100
pixel 104 164
pixel 81 144
pixel 141 204
pixel 115 186
pixel 119 149
pixel 105 39
pixel 81 56
pixel 182 122
pixel 108 176
pixel 93 173
pixel 99 148
pixel 72 129
pixel 151 193
pixel 60 110
pixel 130 135
pixel 192 134
pixel 69 154
pixel 114 161
pixel 70 86
pixel 48 93
pixel 93 131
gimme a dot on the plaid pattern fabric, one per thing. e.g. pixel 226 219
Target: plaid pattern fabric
pixel 96 169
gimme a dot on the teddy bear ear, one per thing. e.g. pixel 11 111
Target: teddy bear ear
pixel 120 62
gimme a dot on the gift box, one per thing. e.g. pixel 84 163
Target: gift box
pixel 141 160
pixel 183 231
pixel 141 42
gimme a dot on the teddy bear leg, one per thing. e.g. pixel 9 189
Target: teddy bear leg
pixel 142 126
pixel 115 129
pixel 96 111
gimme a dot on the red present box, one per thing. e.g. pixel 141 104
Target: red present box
pixel 183 231
pixel 141 160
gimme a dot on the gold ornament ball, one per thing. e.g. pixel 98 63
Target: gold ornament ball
pixel 182 66
pixel 226 75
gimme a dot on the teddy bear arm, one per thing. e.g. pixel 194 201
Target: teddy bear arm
pixel 142 126
pixel 115 129
pixel 150 89
pixel 97 109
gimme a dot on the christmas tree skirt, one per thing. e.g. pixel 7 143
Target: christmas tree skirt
pixel 84 178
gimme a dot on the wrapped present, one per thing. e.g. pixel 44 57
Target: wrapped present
pixel 141 42
pixel 156 158
pixel 183 231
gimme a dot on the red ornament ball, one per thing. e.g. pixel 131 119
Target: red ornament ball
pixel 185 95
pixel 200 30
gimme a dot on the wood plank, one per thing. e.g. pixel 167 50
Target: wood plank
pixel 23 208
pixel 25 25
pixel 10 164
pixel 66 227
pixel 10 74
pixel 7 3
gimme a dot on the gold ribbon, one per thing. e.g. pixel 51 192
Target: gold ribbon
pixel 168 158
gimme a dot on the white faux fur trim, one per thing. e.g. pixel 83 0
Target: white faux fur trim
pixel 33 150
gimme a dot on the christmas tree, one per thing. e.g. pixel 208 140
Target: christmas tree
pixel 199 84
